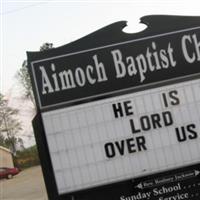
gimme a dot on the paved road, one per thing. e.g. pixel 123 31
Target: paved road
pixel 28 185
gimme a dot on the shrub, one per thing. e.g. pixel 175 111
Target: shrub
pixel 27 158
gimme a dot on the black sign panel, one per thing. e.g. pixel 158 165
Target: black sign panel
pixel 107 70
pixel 179 184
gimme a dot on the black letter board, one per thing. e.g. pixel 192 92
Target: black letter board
pixel 118 114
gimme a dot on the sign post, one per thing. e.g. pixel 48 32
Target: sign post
pixel 118 114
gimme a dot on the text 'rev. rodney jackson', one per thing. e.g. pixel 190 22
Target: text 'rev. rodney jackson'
pixel 150 61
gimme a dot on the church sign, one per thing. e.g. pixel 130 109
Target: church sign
pixel 119 114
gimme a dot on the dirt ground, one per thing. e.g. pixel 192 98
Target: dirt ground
pixel 28 185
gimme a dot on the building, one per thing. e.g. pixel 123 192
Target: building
pixel 6 159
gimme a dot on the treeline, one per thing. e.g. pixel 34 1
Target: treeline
pixel 27 158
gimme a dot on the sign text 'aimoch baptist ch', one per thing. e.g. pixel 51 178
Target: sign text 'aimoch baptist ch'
pixel 120 113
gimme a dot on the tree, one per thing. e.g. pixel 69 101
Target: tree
pixel 2 137
pixel 2 140
pixel 25 81
pixel 9 124
pixel 24 77
pixel 46 46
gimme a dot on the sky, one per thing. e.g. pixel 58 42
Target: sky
pixel 26 25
